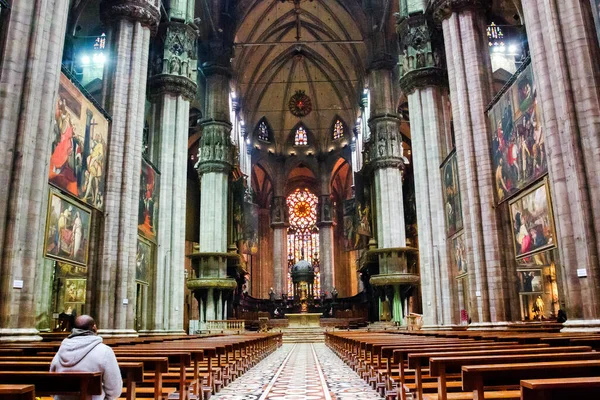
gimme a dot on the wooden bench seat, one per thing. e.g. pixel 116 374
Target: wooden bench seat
pixel 476 378
pixel 17 392
pixel 560 388
pixel 81 384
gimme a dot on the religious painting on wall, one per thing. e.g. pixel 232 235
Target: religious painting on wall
pixel 78 158
pixel 518 147
pixel 452 200
pixel 67 230
pixel 75 291
pixel 144 260
pixel 149 196
pixel 64 269
pixel 532 219
pixel 530 281
pixel 250 232
pixel 459 254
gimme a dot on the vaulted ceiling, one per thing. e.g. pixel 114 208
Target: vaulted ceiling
pixel 317 47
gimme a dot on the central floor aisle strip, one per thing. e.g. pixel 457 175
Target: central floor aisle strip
pixel 299 372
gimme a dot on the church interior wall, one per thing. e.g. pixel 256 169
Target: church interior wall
pixel 522 136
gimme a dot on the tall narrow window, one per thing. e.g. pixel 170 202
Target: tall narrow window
pixel 338 130
pixel 303 235
pixel 263 132
pixel 301 138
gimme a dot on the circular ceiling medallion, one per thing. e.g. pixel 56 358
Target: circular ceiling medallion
pixel 300 104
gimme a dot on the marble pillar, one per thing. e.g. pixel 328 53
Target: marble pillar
pixel 172 86
pixel 470 80
pixel 279 223
pixel 326 254
pixel 130 24
pixel 565 54
pixel 29 76
pixel 385 157
pixel 424 81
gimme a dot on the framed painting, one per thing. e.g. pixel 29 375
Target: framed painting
pixel 518 145
pixel 530 281
pixel 78 157
pixel 459 254
pixel 533 222
pixel 75 291
pixel 144 260
pixel 64 269
pixel 452 200
pixel 149 200
pixel 67 230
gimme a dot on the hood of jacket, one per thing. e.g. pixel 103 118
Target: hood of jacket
pixel 75 348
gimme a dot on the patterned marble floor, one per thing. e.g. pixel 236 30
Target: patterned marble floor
pixel 301 371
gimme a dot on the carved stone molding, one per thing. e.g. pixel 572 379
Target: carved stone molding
pixel 442 9
pixel 176 51
pixel 216 69
pixel 384 147
pixel 216 152
pixel 172 84
pixel 325 211
pixel 279 212
pixel 141 11
pixel 422 78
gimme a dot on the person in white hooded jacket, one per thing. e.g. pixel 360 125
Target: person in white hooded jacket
pixel 83 351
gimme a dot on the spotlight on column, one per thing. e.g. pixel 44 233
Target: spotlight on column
pixel 247 140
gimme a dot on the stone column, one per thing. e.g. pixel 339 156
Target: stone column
pixel 326 255
pixel 385 157
pixel 469 75
pixel 130 24
pixel 172 87
pixel 29 76
pixel 423 79
pixel 564 53
pixel 279 223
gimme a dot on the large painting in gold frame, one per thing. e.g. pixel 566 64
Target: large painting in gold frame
pixel 533 221
pixel 67 230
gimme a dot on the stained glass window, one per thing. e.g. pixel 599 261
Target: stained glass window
pixel 303 235
pixel 495 35
pixel 338 130
pixel 301 138
pixel 263 132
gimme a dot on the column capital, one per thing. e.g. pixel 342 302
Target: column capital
pixel 325 211
pixel 279 213
pixel 145 12
pixel 215 153
pixel 421 61
pixel 213 68
pixel 443 9
pixel 384 147
pixel 174 67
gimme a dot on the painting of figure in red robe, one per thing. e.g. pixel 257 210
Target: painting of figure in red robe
pixel 148 207
pixel 77 160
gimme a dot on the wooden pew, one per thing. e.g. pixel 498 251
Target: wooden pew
pixel 131 372
pixel 17 392
pixel 476 378
pixel 81 384
pixel 555 389
pixel 153 365
pixel 441 365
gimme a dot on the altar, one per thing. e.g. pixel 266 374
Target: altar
pixel 304 320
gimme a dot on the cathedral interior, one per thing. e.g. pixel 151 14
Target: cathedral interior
pixel 202 163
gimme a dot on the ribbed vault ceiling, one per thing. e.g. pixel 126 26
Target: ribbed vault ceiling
pixel 327 63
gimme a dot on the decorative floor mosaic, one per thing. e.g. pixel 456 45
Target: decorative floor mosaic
pixel 299 372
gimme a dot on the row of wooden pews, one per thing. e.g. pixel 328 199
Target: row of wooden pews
pixel 464 365
pixel 151 367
